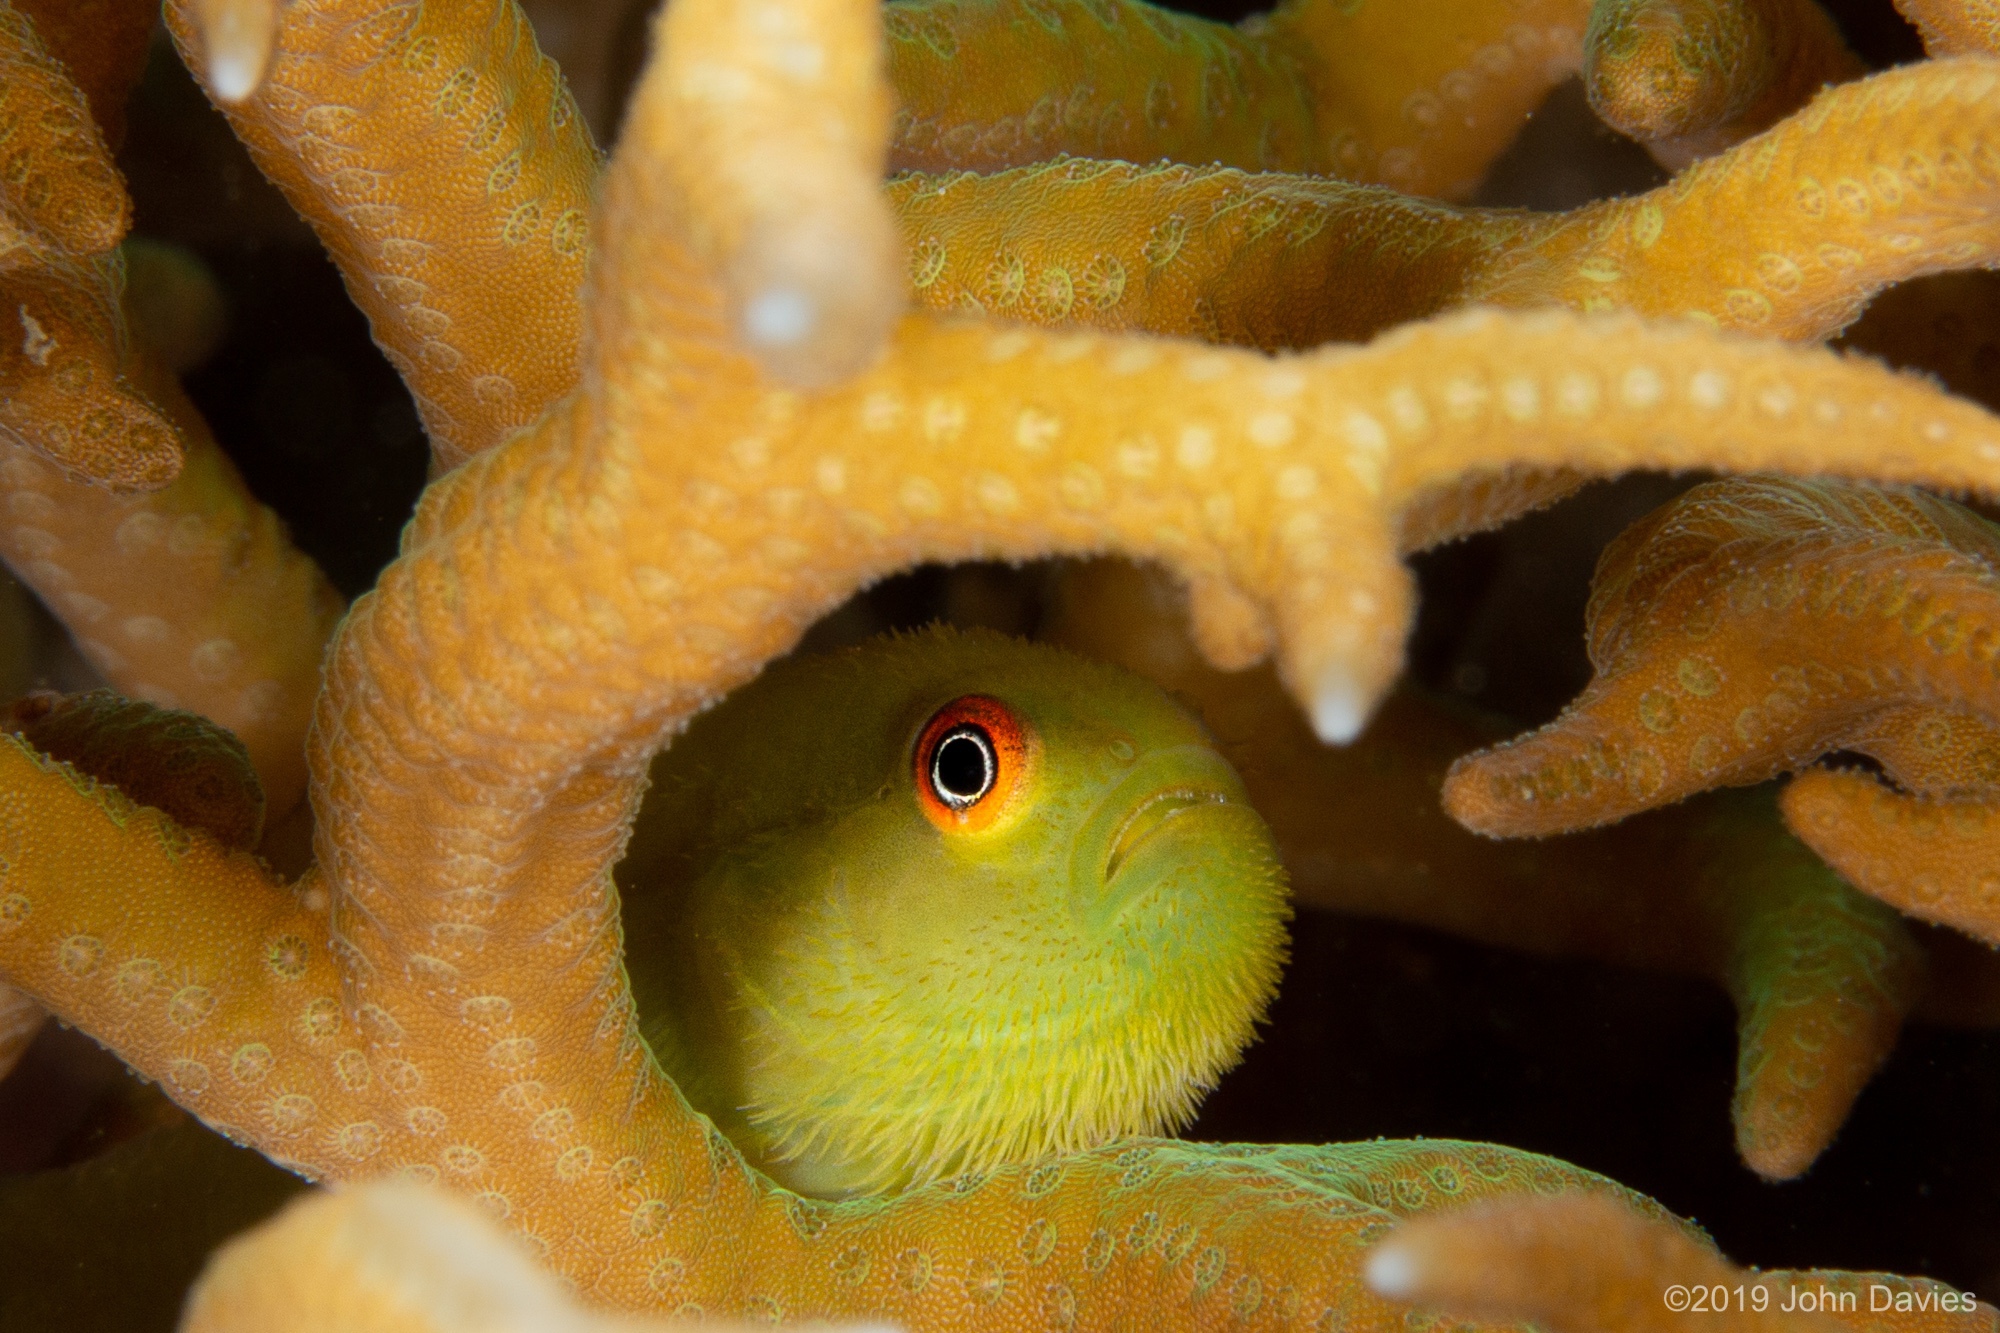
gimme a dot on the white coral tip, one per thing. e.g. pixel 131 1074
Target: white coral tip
pixel 1391 1270
pixel 780 317
pixel 1339 708
pixel 234 75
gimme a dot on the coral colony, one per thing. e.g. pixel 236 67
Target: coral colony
pixel 862 287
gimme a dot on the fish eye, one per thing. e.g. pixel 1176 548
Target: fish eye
pixel 963 766
pixel 969 761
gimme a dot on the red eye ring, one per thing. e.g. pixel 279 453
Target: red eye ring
pixel 971 758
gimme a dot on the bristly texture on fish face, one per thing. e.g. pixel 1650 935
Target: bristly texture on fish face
pixel 948 901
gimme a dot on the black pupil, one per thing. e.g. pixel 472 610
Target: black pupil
pixel 962 766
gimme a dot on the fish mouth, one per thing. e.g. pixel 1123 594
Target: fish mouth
pixel 1174 826
pixel 1150 818
pixel 1164 792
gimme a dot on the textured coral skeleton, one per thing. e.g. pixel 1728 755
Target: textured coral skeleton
pixel 1951 27
pixel 1574 1262
pixel 1786 235
pixel 122 513
pixel 187 593
pixel 1420 96
pixel 415 1039
pixel 1690 77
pixel 492 186
pixel 1789 234
pixel 1755 625
pixel 395 1258
pixel 1821 977
pixel 392 93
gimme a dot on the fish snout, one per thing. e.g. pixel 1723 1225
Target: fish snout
pixel 1152 817
pixel 1164 795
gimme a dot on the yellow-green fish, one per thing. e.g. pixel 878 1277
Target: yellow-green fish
pixel 945 901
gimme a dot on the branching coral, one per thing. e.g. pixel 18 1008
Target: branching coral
pixel 1691 77
pixel 1419 96
pixel 1363 92
pixel 446 170
pixel 198 773
pixel 1787 235
pixel 392 1258
pixel 120 510
pixel 399 1257
pixel 785 115
pixel 1821 977
pixel 176 762
pixel 61 210
pixel 572 594
pixel 1576 1263
pixel 190 596
pixel 1751 627
pixel 1930 857
pixel 567 599
pixel 124 516
pixel 1873 184
pixel 1953 27
pixel 1381 588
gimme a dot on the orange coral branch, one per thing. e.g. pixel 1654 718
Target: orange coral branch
pixel 1788 235
pixel 444 167
pixel 191 597
pixel 1821 976
pixel 1431 92
pixel 1753 626
pixel 62 390
pixel 102 46
pixel 237 37
pixel 391 1258
pixel 1420 96
pixel 61 207
pixel 61 186
pixel 1740 632
pixel 186 767
pixel 1955 27
pixel 190 970
pixel 1574 1263
pixel 1931 857
pixel 1591 1263
pixel 1210 252
pixel 1688 78
pixel 784 126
